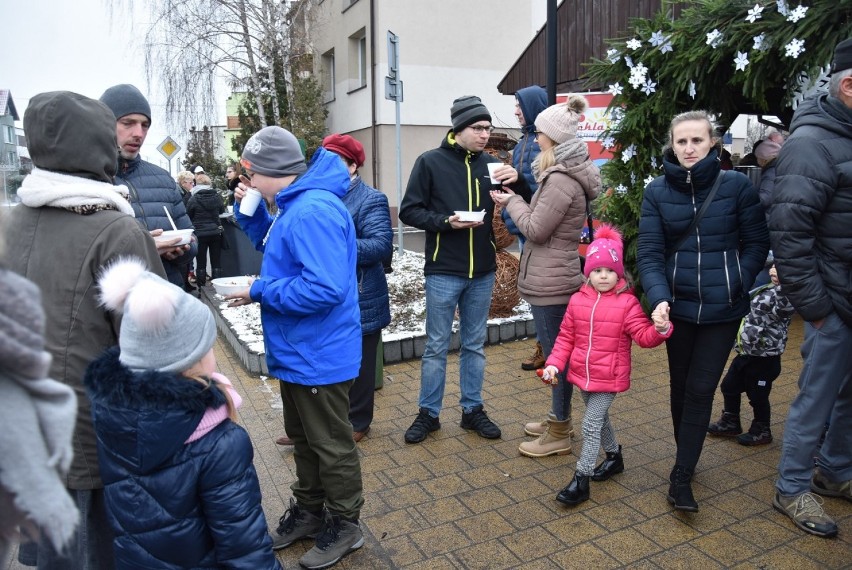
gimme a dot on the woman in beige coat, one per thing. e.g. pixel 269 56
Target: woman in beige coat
pixel 550 264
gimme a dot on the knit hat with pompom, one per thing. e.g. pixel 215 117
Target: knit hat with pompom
pixel 606 251
pixel 559 122
pixel 162 327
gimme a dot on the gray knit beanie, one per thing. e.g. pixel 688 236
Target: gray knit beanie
pixel 71 134
pixel 466 111
pixel 273 151
pixel 126 99
pixel 162 327
pixel 559 122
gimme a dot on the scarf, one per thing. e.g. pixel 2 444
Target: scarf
pixel 44 188
pixel 563 152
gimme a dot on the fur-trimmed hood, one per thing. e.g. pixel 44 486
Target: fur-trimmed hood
pixel 141 419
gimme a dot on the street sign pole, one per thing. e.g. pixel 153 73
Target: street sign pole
pixel 393 91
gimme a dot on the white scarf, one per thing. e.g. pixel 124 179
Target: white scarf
pixel 55 190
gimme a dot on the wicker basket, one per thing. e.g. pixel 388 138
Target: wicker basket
pixel 505 296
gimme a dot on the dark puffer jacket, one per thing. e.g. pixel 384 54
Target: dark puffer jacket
pixel 811 216
pixel 707 280
pixel 374 235
pixel 151 188
pixel 174 504
pixel 203 209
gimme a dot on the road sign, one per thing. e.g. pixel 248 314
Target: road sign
pixel 169 148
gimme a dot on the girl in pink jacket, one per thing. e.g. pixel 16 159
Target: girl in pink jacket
pixel 603 319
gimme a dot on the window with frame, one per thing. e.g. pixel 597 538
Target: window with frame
pixel 10 134
pixel 327 63
pixel 358 60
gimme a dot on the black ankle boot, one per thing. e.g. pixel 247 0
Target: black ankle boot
pixel 612 465
pixel 576 492
pixel 201 277
pixel 680 489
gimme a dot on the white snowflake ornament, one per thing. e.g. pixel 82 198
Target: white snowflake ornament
pixel 714 38
pixel 754 13
pixel 782 7
pixel 649 180
pixel 608 143
pixel 654 162
pixel 633 44
pixel 760 43
pixel 612 55
pixel 649 87
pixel 741 61
pixel 616 89
pixel 807 87
pixel 621 189
pixel 628 153
pixel 657 38
pixel 797 14
pixel 629 61
pixel 795 48
pixel 691 89
pixel 667 46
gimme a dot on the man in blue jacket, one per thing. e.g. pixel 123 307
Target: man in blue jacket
pixel 151 188
pixel 308 295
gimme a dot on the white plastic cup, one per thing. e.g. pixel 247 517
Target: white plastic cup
pixel 250 202
pixel 492 166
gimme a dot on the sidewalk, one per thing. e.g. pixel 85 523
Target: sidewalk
pixel 459 501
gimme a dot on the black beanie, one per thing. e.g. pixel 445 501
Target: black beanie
pixel 466 111
pixel 71 134
pixel 126 99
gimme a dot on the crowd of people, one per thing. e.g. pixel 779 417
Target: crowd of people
pixel 120 446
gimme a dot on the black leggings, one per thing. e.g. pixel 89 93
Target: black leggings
pixel 214 244
pixel 697 357
pixel 754 376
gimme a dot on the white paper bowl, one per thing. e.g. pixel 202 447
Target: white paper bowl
pixel 465 216
pixel 230 285
pixel 169 235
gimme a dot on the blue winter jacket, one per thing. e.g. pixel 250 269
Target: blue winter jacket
pixel 532 100
pixel 151 188
pixel 371 215
pixel 707 279
pixel 307 289
pixel 174 505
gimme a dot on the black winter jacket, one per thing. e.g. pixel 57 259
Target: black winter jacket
pixel 174 505
pixel 811 217
pixel 444 180
pixel 151 188
pixel 203 209
pixel 708 279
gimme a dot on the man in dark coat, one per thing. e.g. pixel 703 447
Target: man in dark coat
pixel 809 225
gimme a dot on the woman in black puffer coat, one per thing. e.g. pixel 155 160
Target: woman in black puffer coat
pixel 204 208
pixel 702 281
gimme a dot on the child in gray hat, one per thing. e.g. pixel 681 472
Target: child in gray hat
pixel 181 489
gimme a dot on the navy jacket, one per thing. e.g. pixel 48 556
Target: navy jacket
pixel 172 504
pixel 151 188
pixel 708 279
pixel 532 100
pixel 374 237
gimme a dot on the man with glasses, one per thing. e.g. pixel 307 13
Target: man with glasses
pixel 460 261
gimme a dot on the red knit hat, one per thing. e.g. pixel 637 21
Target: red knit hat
pixel 606 251
pixel 347 147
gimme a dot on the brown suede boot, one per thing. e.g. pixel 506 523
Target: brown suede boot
pixel 536 360
pixel 556 440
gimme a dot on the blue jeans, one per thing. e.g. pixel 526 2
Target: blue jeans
pixel 547 319
pixel 473 298
pixel 825 391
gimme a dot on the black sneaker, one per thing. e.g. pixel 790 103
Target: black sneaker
pixel 423 424
pixel 337 538
pixel 727 426
pixel 758 434
pixel 295 524
pixel 477 420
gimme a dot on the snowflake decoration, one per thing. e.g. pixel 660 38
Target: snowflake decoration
pixel 667 46
pixel 608 143
pixel 639 69
pixel 634 44
pixel 760 43
pixel 629 61
pixel 612 55
pixel 654 162
pixel 657 38
pixel 782 7
pixel 633 178
pixel 621 189
pixel 616 89
pixel 795 48
pixel 741 61
pixel 628 153
pixel 797 14
pixel 714 38
pixel 636 81
pixel 617 115
pixel 649 180
pixel 807 87
pixel 691 89
pixel 754 13
pixel 649 87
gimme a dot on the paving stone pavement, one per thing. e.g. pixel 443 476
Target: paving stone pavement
pixel 459 501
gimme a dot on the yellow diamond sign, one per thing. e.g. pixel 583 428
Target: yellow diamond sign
pixel 169 148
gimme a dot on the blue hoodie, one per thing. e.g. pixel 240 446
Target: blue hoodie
pixel 532 100
pixel 307 288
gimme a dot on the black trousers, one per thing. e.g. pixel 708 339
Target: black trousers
pixel 697 357
pixel 754 376
pixel 362 394
pixel 213 244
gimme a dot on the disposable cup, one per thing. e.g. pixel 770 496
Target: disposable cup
pixel 250 202
pixel 492 166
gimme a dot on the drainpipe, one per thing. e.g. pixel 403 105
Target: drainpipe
pixel 551 52
pixel 374 135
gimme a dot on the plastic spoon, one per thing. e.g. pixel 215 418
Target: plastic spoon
pixel 174 227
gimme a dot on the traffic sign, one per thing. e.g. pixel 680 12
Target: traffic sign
pixel 169 148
